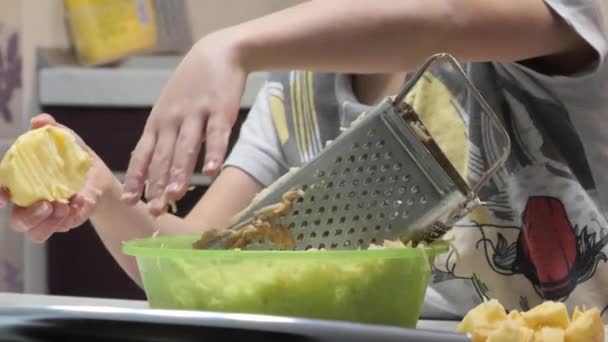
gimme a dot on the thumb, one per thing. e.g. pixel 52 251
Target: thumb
pixel 42 120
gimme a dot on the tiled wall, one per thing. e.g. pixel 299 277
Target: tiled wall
pixel 11 125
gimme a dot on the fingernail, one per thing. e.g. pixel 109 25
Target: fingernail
pixel 210 165
pixel 153 211
pixel 173 187
pixel 153 204
pixel 41 209
pixel 127 196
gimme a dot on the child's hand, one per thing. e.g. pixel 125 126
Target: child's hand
pixel 199 104
pixel 42 219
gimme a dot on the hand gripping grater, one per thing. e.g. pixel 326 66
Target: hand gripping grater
pixel 383 179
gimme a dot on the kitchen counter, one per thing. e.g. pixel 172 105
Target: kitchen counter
pixel 17 299
pixel 14 299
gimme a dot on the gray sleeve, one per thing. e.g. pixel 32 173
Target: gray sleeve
pixel 258 150
pixel 589 18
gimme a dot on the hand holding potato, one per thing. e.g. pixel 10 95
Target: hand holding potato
pixel 53 178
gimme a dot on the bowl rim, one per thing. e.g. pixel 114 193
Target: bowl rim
pixel 132 248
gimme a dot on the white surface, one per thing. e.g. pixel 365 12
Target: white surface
pixel 437 325
pixel 14 299
pixel 34 273
pixel 34 258
pixel 131 85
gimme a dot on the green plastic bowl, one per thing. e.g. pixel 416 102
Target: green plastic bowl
pixel 368 286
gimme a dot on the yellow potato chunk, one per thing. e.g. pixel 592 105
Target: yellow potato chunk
pixel 549 334
pixel 44 164
pixel 480 335
pixel 547 314
pixel 516 316
pixel 586 326
pixel 547 322
pixel 511 331
pixel 485 317
pixel 577 313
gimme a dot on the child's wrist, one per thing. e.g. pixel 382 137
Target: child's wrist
pixel 234 44
pixel 109 198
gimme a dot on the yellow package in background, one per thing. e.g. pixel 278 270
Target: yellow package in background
pixel 104 31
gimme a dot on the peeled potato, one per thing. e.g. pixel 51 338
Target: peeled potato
pixel 549 334
pixel 511 331
pixel 547 322
pixel 516 316
pixel 576 314
pixel 586 326
pixel 44 164
pixel 547 314
pixel 485 316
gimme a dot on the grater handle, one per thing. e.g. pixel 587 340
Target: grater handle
pixel 493 169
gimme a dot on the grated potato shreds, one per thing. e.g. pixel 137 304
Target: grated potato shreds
pixel 262 194
pixel 388 244
pixel 260 227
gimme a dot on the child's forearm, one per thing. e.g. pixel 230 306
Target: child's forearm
pixel 116 222
pixel 391 35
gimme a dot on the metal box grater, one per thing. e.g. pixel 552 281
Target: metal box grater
pixel 384 178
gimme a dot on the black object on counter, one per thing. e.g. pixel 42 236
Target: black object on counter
pixel 95 324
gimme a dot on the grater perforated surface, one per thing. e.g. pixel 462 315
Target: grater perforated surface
pixel 374 182
pixel 370 188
